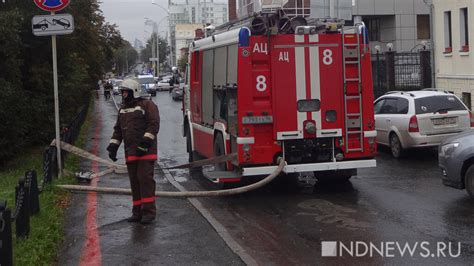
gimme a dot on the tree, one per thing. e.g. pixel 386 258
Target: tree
pixel 125 56
pixel 163 49
pixel 182 62
pixel 26 78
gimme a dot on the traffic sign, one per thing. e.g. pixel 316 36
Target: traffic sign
pixel 52 5
pixel 47 25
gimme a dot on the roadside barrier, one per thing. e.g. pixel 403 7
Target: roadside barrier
pixel 26 204
pixel 27 193
pixel 69 134
pixel 6 249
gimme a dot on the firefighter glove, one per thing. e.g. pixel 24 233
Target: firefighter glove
pixel 143 147
pixel 112 149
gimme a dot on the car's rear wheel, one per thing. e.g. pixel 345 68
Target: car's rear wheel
pixel 396 146
pixel 469 181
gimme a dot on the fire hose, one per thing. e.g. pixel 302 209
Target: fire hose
pixel 113 167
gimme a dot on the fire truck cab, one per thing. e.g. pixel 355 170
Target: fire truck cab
pixel 305 96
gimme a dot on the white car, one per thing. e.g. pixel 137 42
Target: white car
pixel 163 84
pixel 415 119
pixel 116 83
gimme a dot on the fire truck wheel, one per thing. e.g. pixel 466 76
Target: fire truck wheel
pixel 218 151
pixel 396 146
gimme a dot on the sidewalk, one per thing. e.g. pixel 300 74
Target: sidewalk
pixel 97 234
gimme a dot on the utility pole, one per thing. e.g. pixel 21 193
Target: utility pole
pixel 126 60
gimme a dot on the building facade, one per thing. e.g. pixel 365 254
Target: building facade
pixel 404 23
pixel 194 12
pixel 453 29
pixel 245 8
pixel 185 34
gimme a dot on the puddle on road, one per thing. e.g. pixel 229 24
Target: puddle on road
pixel 332 214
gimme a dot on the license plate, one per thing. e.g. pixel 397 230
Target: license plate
pixel 444 121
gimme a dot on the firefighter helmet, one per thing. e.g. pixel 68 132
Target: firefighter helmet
pixel 131 85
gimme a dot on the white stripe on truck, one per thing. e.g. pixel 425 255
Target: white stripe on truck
pixel 300 82
pixel 315 82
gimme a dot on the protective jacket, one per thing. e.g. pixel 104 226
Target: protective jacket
pixel 138 121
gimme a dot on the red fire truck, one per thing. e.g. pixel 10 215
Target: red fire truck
pixel 305 96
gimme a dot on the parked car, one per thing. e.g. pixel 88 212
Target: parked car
pixel 416 119
pixel 116 83
pixel 148 83
pixel 163 84
pixel 456 160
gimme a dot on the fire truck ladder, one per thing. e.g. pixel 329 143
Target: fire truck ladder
pixel 353 92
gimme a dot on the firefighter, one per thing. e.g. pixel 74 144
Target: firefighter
pixel 137 126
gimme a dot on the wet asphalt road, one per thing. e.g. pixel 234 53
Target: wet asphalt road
pixel 96 233
pixel 400 200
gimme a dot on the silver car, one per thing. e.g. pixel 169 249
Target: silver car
pixel 456 160
pixel 416 119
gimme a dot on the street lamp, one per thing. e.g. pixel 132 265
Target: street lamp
pixel 158 44
pixel 154 45
pixel 169 26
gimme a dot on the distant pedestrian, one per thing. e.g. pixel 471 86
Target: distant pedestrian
pixel 175 78
pixel 137 126
pixel 108 87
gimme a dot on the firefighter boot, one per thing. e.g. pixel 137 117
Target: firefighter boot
pixel 148 219
pixel 136 215
pixel 149 212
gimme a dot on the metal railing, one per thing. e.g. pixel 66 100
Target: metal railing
pixel 27 193
pixel 401 71
pixel 26 204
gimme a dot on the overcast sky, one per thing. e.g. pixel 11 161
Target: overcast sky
pixel 129 16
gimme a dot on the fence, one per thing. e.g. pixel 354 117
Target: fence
pixel 27 193
pixel 401 71
pixel 69 134
pixel 26 205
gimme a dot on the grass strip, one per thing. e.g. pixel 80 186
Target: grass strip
pixel 46 228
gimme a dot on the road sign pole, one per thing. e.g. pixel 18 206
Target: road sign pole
pixel 56 104
pixel 53 25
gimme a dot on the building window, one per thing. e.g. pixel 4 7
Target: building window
pixel 464 28
pixel 448 39
pixel 423 26
pixel 466 99
pixel 373 25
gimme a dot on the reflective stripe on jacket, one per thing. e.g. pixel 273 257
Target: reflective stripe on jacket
pixel 137 121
